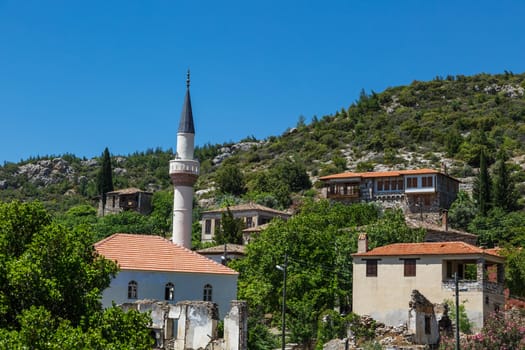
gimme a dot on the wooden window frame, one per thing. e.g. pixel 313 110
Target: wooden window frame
pixel 371 267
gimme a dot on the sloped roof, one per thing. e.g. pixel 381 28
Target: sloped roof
pixel 130 190
pixel 246 207
pixel 186 118
pixel 428 248
pixel 392 173
pixel 219 249
pixel 155 253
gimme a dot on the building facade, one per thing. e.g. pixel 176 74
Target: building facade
pixel 151 267
pixel 253 216
pixel 127 199
pixel 417 192
pixel 385 278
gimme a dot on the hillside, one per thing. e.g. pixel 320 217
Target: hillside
pixel 443 121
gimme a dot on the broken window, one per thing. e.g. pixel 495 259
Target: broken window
pixel 410 267
pixel 427 325
pixel 207 293
pixel 169 291
pixel 371 268
pixel 132 290
pixel 207 227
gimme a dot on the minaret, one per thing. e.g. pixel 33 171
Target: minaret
pixel 184 171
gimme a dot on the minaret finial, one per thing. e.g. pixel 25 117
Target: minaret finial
pixel 188 79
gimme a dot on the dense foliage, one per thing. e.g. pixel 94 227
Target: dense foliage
pixel 317 244
pixel 51 281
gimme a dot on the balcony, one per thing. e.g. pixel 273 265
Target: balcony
pixel 343 196
pixel 184 166
pixel 474 286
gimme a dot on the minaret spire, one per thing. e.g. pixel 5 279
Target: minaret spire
pixel 184 171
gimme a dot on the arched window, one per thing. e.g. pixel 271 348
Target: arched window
pixel 132 290
pixel 207 293
pixel 169 291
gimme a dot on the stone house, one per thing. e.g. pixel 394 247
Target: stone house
pixel 384 279
pixel 126 199
pixel 253 215
pixel 418 192
pixel 152 267
pixel 224 252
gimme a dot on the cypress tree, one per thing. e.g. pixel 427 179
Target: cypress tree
pixel 503 189
pixel 105 177
pixel 482 185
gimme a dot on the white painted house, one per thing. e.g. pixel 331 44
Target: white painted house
pixel 152 267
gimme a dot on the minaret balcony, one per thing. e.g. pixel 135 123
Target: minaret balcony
pixel 184 166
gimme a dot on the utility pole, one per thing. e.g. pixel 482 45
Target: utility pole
pixel 456 285
pixel 283 268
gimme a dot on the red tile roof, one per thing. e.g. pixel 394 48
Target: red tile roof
pixel 155 253
pixel 392 173
pixel 428 248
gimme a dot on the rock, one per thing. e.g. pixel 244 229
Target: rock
pixel 119 171
pixel 46 172
pixel 89 163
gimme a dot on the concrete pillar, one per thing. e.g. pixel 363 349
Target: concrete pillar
pixel 236 326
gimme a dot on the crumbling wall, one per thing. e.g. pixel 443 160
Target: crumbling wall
pixel 422 322
pixel 197 324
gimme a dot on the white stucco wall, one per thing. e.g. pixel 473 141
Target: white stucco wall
pixel 151 285
pixel 386 297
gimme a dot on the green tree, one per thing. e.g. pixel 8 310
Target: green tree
pixel 230 230
pixel 462 211
pixel 482 186
pixel 50 287
pixel 505 195
pixel 515 271
pixel 318 246
pixel 105 176
pixel 230 180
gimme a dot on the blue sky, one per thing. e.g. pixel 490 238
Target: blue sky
pixel 78 76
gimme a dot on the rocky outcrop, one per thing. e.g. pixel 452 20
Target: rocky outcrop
pixel 227 152
pixel 47 172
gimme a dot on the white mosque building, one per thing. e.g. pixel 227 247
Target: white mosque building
pixel 152 267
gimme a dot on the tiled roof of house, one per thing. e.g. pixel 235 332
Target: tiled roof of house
pixel 219 249
pixel 130 190
pixel 246 207
pixel 392 173
pixel 428 248
pixel 155 253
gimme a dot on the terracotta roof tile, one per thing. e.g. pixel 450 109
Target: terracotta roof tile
pixel 427 248
pixel 219 249
pixel 155 253
pixel 372 174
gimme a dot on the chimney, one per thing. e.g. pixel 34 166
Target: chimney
pixel 362 243
pixel 444 220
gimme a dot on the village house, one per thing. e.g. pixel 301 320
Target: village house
pixel 253 215
pixel 385 278
pixel 420 192
pixel 152 267
pixel 128 199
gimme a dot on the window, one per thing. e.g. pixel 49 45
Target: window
pixel 207 227
pixel 132 290
pixel 380 185
pixel 399 184
pixel 371 268
pixel 207 293
pixel 169 291
pixel 426 181
pixel 427 325
pixel 410 267
pixel 249 221
pixel 411 182
pixel 217 225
